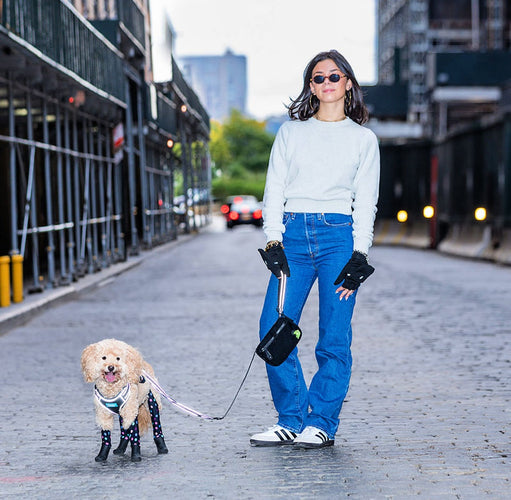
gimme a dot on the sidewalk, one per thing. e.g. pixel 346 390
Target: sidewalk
pixel 18 313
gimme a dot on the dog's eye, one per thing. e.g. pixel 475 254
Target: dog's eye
pixel 118 358
pixel 104 357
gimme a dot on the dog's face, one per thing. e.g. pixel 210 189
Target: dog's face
pixel 110 361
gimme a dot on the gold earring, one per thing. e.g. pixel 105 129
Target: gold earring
pixel 310 101
pixel 348 98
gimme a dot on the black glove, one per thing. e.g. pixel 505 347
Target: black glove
pixel 355 272
pixel 275 260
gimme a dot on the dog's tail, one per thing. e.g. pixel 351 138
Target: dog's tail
pixel 144 418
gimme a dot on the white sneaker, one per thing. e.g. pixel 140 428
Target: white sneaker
pixel 274 436
pixel 312 437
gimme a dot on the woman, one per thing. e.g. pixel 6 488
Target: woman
pixel 319 208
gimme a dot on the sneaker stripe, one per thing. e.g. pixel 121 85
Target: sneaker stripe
pixel 280 434
pixel 289 435
pixel 321 435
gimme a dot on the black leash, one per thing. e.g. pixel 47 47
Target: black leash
pixel 187 409
pixel 238 391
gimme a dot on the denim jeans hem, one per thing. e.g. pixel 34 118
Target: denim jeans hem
pixel 321 425
pixel 290 427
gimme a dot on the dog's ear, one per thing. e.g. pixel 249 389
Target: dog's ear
pixel 88 359
pixel 134 362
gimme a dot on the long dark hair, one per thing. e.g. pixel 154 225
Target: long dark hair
pixel 305 106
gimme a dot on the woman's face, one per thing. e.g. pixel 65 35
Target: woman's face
pixel 328 91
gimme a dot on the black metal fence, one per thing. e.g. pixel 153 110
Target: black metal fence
pixel 54 29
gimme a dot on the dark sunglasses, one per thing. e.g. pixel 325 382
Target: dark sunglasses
pixel 334 78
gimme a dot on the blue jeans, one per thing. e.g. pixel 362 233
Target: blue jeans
pixel 316 246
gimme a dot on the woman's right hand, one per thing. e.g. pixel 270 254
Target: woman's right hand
pixel 275 260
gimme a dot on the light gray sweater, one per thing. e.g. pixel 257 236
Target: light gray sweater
pixel 323 167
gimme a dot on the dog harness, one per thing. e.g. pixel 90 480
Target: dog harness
pixel 113 405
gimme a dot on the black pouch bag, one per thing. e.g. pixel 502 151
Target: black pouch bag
pixel 282 337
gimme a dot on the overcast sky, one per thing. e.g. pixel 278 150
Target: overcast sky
pixel 278 37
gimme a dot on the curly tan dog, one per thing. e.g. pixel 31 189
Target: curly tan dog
pixel 120 388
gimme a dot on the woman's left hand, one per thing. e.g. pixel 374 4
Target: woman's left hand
pixel 345 293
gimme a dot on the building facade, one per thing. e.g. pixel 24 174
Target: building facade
pixel 411 32
pixel 220 82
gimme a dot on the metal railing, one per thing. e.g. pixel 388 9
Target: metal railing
pixel 129 14
pixel 167 119
pixel 188 95
pixel 160 109
pixel 53 28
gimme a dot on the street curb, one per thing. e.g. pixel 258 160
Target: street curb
pixel 17 314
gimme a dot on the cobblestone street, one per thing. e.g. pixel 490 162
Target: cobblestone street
pixel 427 413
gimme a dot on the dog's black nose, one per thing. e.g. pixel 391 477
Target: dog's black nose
pixel 111 368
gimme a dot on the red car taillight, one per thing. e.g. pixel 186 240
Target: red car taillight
pixel 224 209
pixel 234 215
pixel 258 214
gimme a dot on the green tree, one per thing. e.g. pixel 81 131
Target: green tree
pixel 249 142
pixel 240 149
pixel 240 142
pixel 219 147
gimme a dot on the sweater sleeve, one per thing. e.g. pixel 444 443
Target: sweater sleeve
pixel 274 200
pixel 365 195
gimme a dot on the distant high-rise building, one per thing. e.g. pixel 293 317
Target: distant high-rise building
pixel 220 82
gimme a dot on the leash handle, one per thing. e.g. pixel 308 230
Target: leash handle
pixel 282 292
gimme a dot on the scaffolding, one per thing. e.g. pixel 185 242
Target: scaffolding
pixel 88 161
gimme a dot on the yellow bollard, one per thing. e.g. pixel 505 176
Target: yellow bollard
pixel 5 282
pixel 17 278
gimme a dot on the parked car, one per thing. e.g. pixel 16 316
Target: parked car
pixel 242 209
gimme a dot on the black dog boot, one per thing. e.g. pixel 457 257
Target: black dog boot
pixel 135 452
pixel 103 453
pixel 160 445
pixel 106 444
pixel 123 444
